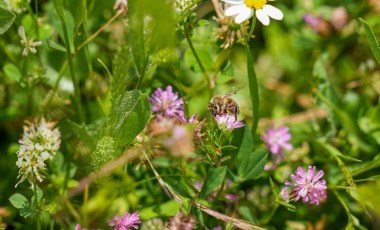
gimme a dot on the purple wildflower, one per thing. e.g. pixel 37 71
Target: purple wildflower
pixel 167 104
pixel 79 227
pixel 228 121
pixel 277 139
pixel 126 222
pixel 307 185
pixel 313 21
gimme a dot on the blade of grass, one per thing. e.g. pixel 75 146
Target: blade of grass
pixel 252 79
pixel 372 40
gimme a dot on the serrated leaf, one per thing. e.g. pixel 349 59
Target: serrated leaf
pixel 214 178
pixel 253 165
pixel 18 201
pixel 372 40
pixel 128 116
pixel 176 185
pixel 6 19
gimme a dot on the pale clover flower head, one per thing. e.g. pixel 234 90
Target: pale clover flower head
pixel 125 222
pixel 228 122
pixel 166 103
pixel 39 143
pixel 307 185
pixel 277 139
pixel 28 44
pixel 180 142
pixel 244 10
pixel 182 222
pixel 17 6
pixel 121 6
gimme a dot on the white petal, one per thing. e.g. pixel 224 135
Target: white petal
pixel 21 32
pixel 234 10
pixel 234 2
pixel 263 17
pixel 245 14
pixel 273 12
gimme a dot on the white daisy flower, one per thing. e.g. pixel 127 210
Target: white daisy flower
pixel 244 10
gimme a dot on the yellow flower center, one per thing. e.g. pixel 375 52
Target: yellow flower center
pixel 256 4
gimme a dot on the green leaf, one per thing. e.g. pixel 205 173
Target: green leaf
pixel 246 145
pixel 372 40
pixel 18 201
pixel 6 19
pixel 214 178
pixel 166 209
pixel 176 185
pixel 162 22
pixel 128 116
pixel 352 220
pixel 366 142
pixel 273 187
pixel 136 32
pixel 27 211
pixel 68 22
pixel 253 164
pixel 253 89
pixel 53 45
pixel 125 74
pixel 335 152
pixel 12 72
pixel 361 168
pixel 367 192
pixel 246 213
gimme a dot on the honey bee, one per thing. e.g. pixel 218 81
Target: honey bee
pixel 221 105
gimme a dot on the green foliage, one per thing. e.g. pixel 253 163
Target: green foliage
pixel 91 69
pixel 375 48
pixel 6 19
pixel 214 178
pixel 128 116
pixel 104 152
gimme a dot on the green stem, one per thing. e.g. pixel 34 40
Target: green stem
pixel 199 62
pixel 36 206
pixel 253 85
pixel 253 24
pixel 77 99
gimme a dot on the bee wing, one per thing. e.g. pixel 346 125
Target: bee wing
pixel 232 91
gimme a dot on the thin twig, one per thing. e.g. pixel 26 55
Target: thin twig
pixel 295 118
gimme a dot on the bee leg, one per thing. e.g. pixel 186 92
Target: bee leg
pixel 235 117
